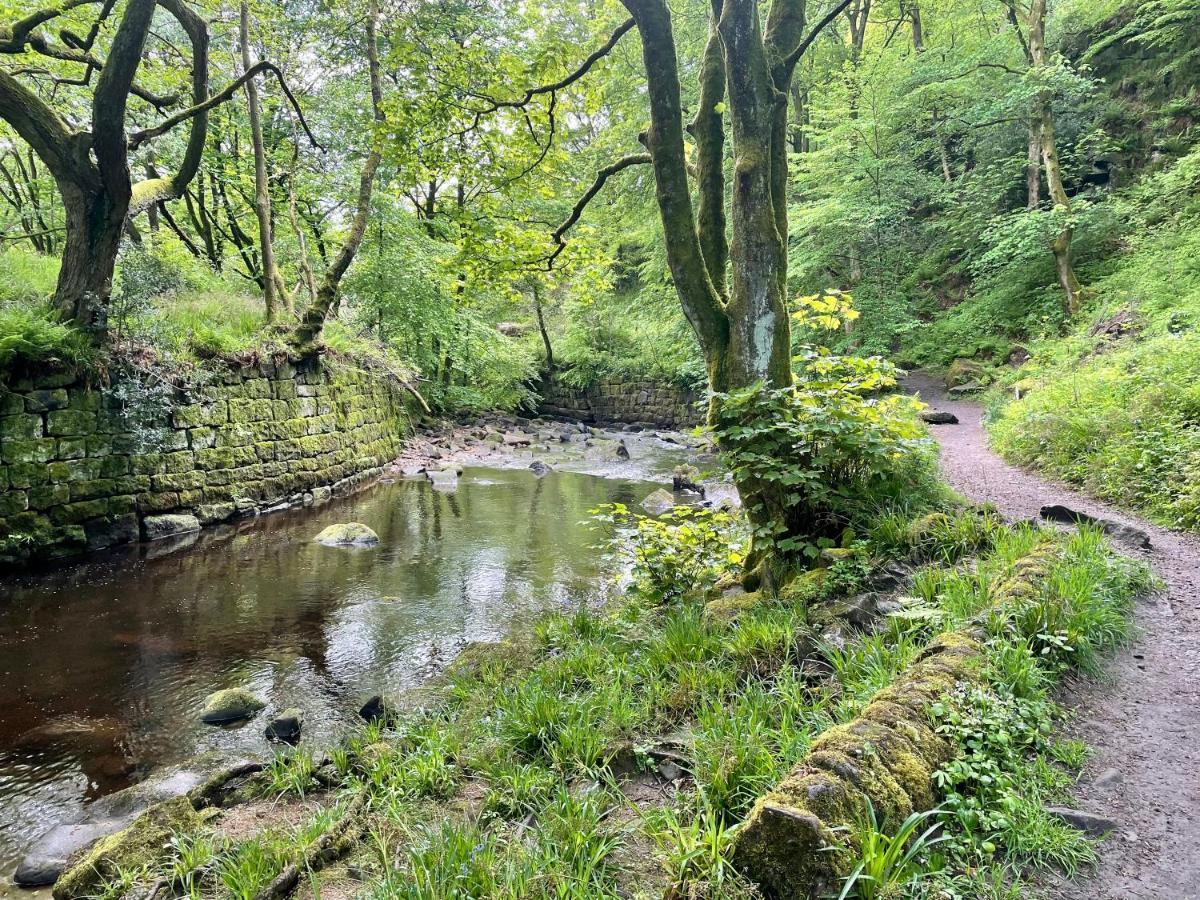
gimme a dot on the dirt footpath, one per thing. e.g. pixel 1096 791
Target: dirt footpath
pixel 1143 718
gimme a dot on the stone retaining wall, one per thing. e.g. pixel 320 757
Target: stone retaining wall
pixel 82 469
pixel 617 400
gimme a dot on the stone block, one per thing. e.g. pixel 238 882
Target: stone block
pixel 41 401
pixel 70 422
pixel 21 427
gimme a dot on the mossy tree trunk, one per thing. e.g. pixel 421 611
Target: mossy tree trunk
pixel 734 294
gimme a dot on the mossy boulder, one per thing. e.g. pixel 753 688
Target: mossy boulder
pixel 230 705
pixel 143 844
pixel 659 502
pixel 727 608
pixel 349 534
pixel 963 371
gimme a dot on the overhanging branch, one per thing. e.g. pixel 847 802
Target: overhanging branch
pixel 794 57
pixel 140 137
pixel 625 162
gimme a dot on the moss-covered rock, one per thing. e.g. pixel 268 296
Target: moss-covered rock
pixel 727 608
pixel 143 844
pixel 230 705
pixel 350 534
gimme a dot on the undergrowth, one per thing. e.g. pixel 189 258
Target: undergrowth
pixel 518 780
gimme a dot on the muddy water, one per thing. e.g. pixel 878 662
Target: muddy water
pixel 104 666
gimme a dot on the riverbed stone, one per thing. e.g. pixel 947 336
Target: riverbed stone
pixel 155 528
pixel 348 534
pixel 230 705
pixel 285 727
pixel 539 468
pixel 659 502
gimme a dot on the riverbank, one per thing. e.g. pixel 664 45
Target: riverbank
pixel 471 550
pixel 614 751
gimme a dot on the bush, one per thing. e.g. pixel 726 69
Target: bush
pixel 815 457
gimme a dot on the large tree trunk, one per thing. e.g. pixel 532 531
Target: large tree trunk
pixel 94 224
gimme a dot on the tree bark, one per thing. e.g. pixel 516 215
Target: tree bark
pixel 1044 119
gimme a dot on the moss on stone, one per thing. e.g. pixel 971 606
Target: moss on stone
pixel 727 609
pixel 141 845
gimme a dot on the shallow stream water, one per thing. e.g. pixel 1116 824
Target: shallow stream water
pixel 105 665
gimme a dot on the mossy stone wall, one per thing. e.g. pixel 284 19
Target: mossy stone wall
pixel 77 474
pixel 623 400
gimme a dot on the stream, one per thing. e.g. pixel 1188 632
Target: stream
pixel 105 664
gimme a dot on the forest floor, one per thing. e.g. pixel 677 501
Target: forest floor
pixel 1142 719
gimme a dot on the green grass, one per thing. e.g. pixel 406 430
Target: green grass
pixel 533 744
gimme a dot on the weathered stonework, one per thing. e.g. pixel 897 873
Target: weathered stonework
pixel 73 478
pixel 609 401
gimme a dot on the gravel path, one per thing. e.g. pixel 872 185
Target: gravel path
pixel 1143 718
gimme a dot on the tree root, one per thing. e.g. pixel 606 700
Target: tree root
pixel 330 846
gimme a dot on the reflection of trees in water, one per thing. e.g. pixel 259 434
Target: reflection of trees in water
pixel 115 637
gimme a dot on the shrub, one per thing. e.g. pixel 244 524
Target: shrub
pixel 814 457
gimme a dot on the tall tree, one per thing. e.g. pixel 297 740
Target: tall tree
pixel 91 165
pixel 274 291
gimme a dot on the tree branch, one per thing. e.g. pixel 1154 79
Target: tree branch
pixel 140 137
pixel 794 57
pixel 633 159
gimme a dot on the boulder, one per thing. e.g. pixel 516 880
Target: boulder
pixel 47 859
pixel 285 727
pixel 1056 512
pixel 687 478
pixel 937 417
pixel 659 502
pixel 962 371
pixel 350 534
pixel 230 705
pixel 539 468
pixel 142 844
pixel 157 527
pixel 622 450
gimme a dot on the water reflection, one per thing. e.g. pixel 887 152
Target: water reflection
pixel 104 667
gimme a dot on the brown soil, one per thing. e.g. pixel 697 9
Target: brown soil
pixel 1143 718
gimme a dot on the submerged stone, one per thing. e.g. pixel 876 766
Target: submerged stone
pixel 659 502
pixel 230 705
pixel 349 534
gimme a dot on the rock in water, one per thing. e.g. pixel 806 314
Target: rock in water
pixel 285 727
pixel 230 705
pixel 539 468
pixel 936 417
pixel 377 709
pixel 659 502
pixel 350 534
pixel 622 450
pixel 157 527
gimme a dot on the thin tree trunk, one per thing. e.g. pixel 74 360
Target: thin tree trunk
pixel 541 322
pixel 1044 116
pixel 262 196
pixel 318 311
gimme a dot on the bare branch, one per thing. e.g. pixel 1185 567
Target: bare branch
pixel 140 137
pixel 634 159
pixel 794 57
